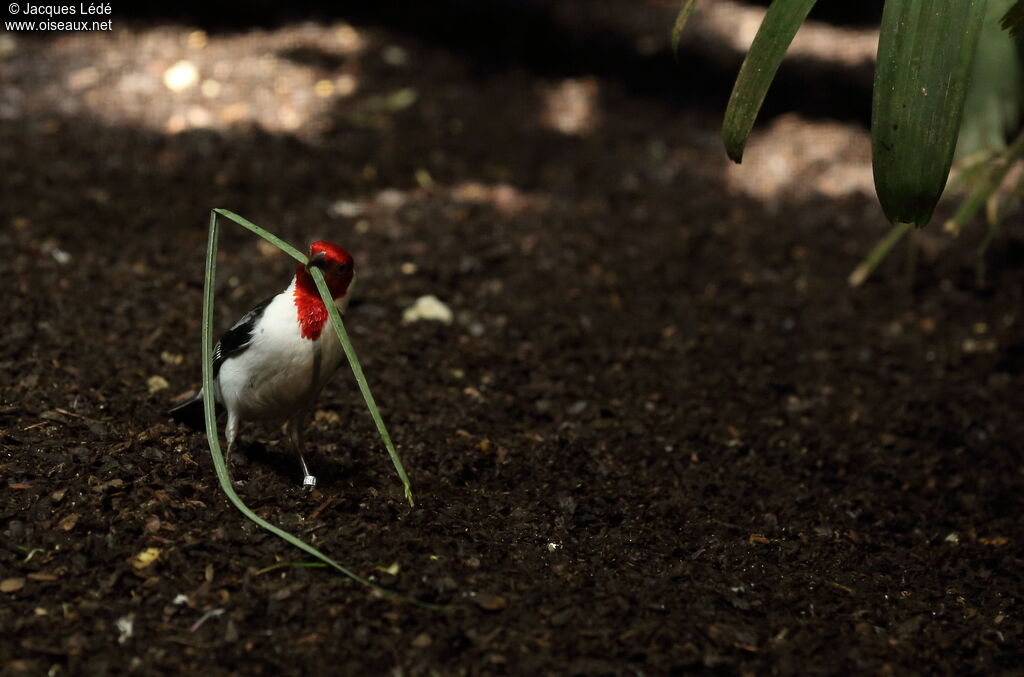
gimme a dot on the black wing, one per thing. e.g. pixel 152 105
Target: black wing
pixel 238 338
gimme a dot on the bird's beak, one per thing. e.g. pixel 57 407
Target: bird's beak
pixel 317 260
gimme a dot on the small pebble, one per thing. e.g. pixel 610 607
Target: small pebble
pixel 490 602
pixel 427 308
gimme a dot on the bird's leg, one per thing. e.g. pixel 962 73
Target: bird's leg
pixel 231 433
pixel 295 433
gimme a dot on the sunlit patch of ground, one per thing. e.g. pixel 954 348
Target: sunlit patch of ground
pixel 736 24
pixel 800 158
pixel 173 79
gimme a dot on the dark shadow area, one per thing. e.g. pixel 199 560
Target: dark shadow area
pixel 255 462
pixel 862 13
pixel 497 35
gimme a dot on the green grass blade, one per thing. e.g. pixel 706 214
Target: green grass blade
pixel 219 463
pixel 346 344
pixel 684 15
pixel 290 565
pixel 777 30
pixel 357 370
pixel 878 254
pixel 265 234
pixel 986 188
pixel 925 52
pixel 986 195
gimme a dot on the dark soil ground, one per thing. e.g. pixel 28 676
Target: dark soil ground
pixel 661 436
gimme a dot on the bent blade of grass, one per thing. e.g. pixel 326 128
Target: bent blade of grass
pixel 211 418
pixel 265 234
pixel 357 370
pixel 219 464
pixel 346 344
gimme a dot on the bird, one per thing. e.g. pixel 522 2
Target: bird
pixel 273 362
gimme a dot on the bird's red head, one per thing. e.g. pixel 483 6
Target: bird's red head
pixel 334 262
pixel 339 270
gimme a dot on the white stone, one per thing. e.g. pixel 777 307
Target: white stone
pixel 427 308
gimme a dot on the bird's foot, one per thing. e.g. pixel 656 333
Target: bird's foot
pixel 309 482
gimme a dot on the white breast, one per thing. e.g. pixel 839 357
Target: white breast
pixel 280 373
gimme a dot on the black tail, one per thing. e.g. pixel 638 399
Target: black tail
pixel 190 412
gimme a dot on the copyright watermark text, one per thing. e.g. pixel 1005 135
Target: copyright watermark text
pixel 80 16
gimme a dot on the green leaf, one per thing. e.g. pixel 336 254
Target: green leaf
pixel 777 30
pixel 925 52
pixel 1013 20
pixel 995 95
pixel 684 15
